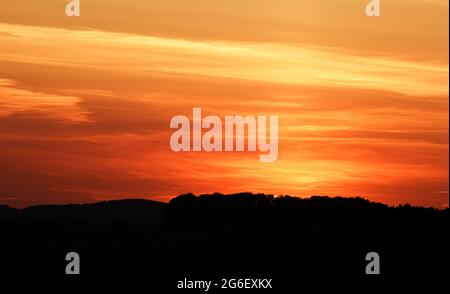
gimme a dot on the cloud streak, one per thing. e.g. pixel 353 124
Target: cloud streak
pixel 14 100
pixel 262 62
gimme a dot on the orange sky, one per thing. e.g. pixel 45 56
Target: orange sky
pixel 86 102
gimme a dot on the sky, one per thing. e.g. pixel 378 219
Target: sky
pixel 86 102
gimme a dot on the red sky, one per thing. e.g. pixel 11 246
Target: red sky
pixel 85 103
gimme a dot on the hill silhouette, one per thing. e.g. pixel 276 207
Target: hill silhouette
pixel 225 233
pixel 127 211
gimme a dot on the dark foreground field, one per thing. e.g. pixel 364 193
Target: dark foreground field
pixel 242 233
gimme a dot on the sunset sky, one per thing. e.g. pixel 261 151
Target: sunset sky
pixel 86 102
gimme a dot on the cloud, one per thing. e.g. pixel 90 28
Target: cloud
pixel 263 62
pixel 14 100
pixel 413 29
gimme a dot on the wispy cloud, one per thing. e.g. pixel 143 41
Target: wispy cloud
pixel 14 100
pixel 266 62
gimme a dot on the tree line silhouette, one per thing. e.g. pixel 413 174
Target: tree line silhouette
pixel 225 233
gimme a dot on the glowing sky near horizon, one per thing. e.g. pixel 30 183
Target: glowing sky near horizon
pixel 85 103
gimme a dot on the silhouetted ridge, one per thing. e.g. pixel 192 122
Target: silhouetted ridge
pixel 125 211
pixel 268 211
pixel 7 212
pixel 241 232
